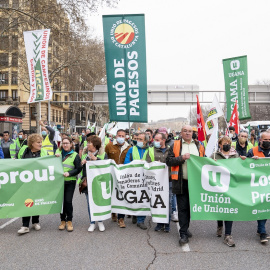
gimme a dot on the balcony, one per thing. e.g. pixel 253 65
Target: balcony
pixel 4 100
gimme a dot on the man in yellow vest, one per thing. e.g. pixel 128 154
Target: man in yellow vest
pixel 177 156
pixel 138 152
pixel 260 151
pixel 21 139
pixel 48 137
pixel 241 145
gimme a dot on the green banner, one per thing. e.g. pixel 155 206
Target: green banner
pixel 236 86
pixel 231 189
pixel 125 54
pixel 31 187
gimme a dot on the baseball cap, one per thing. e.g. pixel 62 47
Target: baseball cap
pixel 163 130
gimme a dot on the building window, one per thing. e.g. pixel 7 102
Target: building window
pixel 60 116
pixel 4 3
pixel 32 113
pixel 15 42
pixel 56 116
pixel 14 94
pixel 15 3
pixel 53 116
pixel 49 58
pixel 14 78
pixel 66 99
pixel 3 59
pixel 4 78
pixel 3 40
pixel 3 95
pixel 15 59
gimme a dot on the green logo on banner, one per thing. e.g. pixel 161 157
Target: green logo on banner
pixel 215 178
pixel 102 189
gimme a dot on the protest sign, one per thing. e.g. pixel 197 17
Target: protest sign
pixel 236 86
pixel 229 189
pixel 138 188
pixel 125 55
pixel 36 47
pixel 30 187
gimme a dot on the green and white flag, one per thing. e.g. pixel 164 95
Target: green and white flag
pixel 138 188
pixel 31 187
pixel 230 189
pixel 213 115
pixel 236 86
pixel 212 144
pixel 36 47
pixel 125 55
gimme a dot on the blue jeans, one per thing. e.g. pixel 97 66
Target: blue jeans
pixel 120 216
pixel 86 195
pixel 140 219
pixel 261 226
pixel 173 202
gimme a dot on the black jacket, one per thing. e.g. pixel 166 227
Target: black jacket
pixel 177 185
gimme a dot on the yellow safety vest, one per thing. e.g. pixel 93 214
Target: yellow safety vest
pixel 47 145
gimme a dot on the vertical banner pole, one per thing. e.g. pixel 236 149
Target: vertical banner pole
pixel 49 113
pixel 39 108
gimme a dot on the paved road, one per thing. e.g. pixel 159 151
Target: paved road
pixel 129 248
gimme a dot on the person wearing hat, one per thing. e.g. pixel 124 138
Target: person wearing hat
pixel 169 139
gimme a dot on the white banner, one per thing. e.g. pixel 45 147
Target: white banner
pixel 36 47
pixel 138 188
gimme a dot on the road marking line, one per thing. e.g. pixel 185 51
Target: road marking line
pixel 184 247
pixel 7 223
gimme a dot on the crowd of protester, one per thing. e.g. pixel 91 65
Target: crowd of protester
pixel 172 148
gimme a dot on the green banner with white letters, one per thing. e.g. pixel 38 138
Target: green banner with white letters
pixel 231 189
pixel 125 55
pixel 236 86
pixel 30 187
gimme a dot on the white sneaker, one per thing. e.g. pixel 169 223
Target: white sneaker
pixel 174 216
pixel 23 230
pixel 36 226
pixel 92 227
pixel 101 226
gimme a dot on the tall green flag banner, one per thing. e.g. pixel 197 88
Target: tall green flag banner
pixel 125 54
pixel 231 189
pixel 236 86
pixel 31 187
pixel 138 188
pixel 36 47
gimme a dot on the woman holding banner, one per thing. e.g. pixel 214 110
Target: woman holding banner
pixel 225 152
pixel 93 151
pixel 33 149
pixel 72 167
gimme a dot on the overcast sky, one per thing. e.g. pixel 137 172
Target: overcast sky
pixel 187 40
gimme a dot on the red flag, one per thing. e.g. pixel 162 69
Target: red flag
pixel 234 121
pixel 200 122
